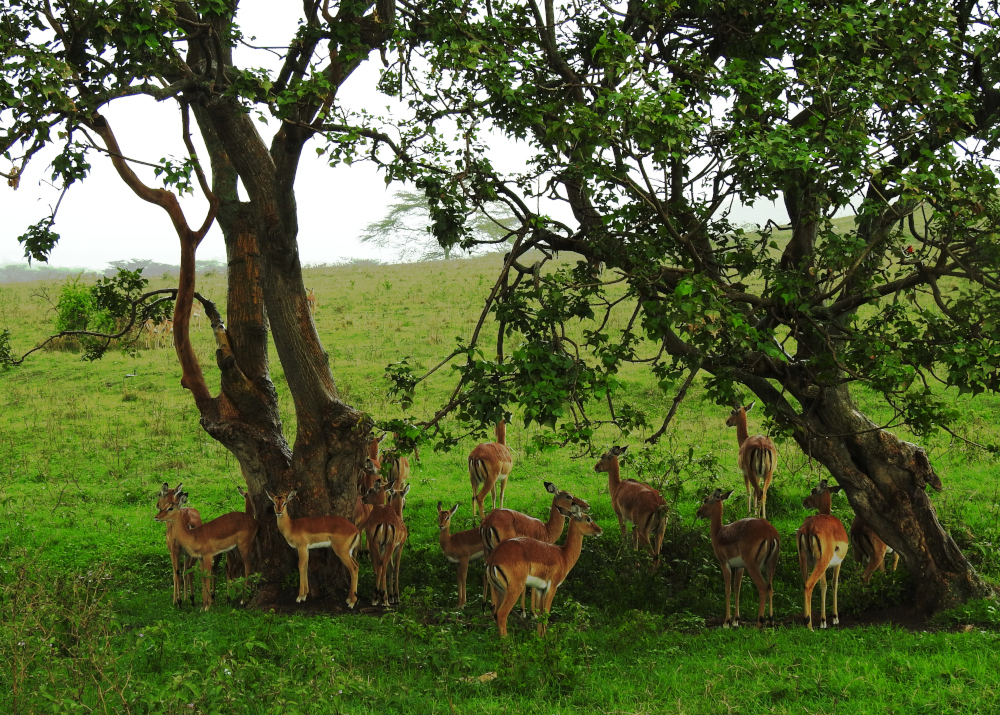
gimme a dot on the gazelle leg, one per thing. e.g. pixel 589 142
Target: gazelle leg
pixel 503 488
pixel 343 552
pixel 546 604
pixel 399 559
pixel 753 568
pixel 506 605
pixel 463 572
pixel 738 574
pixel 836 581
pixel 727 577
pixel 303 575
pixel 206 582
pixel 822 599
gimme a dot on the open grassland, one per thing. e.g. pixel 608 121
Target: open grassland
pixel 87 622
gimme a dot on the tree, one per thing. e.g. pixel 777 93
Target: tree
pixel 648 120
pixel 67 60
pixel 406 228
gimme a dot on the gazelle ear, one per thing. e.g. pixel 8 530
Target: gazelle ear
pixel 834 490
pixel 551 488
pixel 622 450
pixel 290 496
pixel 454 509
pixel 564 511
pixel 179 487
pixel 749 407
pixel 268 495
pixel 164 489
pixel 726 495
pixel 182 499
pixel 439 507
pixel 575 510
pixel 406 490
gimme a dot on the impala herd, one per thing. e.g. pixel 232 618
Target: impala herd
pixel 520 551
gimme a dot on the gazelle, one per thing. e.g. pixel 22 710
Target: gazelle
pixel 373 448
pixel 635 503
pixel 757 459
pixel 489 464
pixel 822 545
pixel 518 563
pixel 370 497
pixel 149 333
pixel 196 313
pixel 311 302
pixel 459 548
pixel 869 549
pixel 399 467
pixel 750 544
pixel 233 561
pixel 179 562
pixel 387 534
pixel 166 332
pixel 318 532
pixel 234 530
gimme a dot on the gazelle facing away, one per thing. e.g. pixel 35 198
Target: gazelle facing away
pixel 750 544
pixel 757 459
pixel 234 530
pixel 635 503
pixel 459 548
pixel 387 534
pixel 489 466
pixel 518 563
pixel 869 549
pixel 822 545
pixel 318 532
pixel 180 563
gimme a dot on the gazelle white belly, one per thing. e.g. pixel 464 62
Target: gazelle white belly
pixel 540 584
pixel 319 544
pixel 453 559
pixel 838 557
pixel 736 563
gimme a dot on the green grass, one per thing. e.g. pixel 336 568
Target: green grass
pixel 84 571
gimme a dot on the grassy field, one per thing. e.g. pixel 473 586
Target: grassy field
pixel 88 626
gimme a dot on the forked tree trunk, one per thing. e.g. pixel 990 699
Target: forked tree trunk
pixel 885 479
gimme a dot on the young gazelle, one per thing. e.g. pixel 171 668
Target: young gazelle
pixel 635 503
pixel 387 534
pixel 179 562
pixel 750 544
pixel 459 548
pixel 318 532
pixel 518 563
pixel 503 524
pixel 757 459
pixel 489 466
pixel 822 545
pixel 234 530
pixel 869 549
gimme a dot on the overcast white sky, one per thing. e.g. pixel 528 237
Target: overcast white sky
pixel 100 220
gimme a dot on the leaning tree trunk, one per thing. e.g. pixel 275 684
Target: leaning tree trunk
pixel 885 479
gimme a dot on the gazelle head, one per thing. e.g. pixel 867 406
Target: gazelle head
pixel 375 494
pixel 610 457
pixel 394 494
pixel 739 414
pixel 168 496
pixel 171 510
pixel 444 516
pixel 368 475
pixel 280 502
pixel 820 497
pixel 562 499
pixel 585 523
pixel 712 502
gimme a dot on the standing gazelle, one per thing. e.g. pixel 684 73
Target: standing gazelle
pixel 186 519
pixel 489 465
pixel 635 503
pixel 459 548
pixel 822 545
pixel 522 562
pixel 234 530
pixel 757 459
pixel 750 544
pixel 869 549
pixel 318 532
pixel 387 534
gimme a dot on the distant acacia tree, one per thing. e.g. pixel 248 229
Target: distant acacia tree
pixel 407 229
pixel 648 120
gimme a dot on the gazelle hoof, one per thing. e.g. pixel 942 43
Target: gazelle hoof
pixel 822 623
pixel 300 599
pixel 836 620
pixel 728 623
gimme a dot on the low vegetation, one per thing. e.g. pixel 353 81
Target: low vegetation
pixel 85 586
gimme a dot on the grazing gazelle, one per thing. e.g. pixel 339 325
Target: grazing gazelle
pixel 234 530
pixel 518 563
pixel 318 532
pixel 180 563
pixel 869 549
pixel 757 459
pixel 503 524
pixel 635 503
pixel 822 545
pixel 750 544
pixel 387 534
pixel 489 466
pixel 459 548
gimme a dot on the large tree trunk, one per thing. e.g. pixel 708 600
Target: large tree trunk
pixel 885 479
